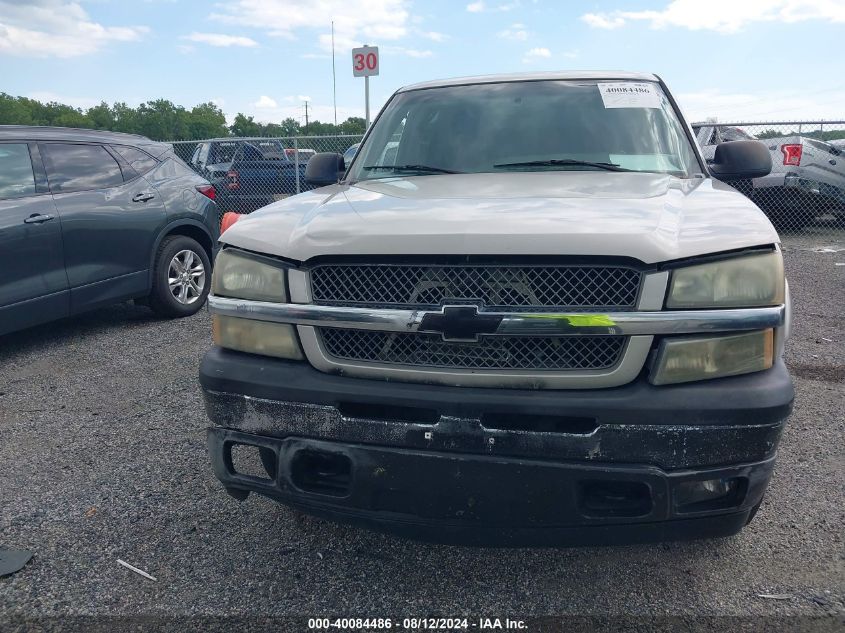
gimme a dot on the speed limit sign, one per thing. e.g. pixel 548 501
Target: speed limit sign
pixel 365 61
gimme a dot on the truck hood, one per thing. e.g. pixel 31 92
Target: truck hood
pixel 649 217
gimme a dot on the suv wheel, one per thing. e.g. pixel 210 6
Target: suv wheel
pixel 181 277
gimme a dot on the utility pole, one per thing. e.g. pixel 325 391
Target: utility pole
pixel 306 116
pixel 334 79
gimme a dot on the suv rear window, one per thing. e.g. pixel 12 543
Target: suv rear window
pixel 16 177
pixel 222 152
pixel 80 167
pixel 140 161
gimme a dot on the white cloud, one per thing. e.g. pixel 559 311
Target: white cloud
pixel 221 40
pixel 538 52
pixel 724 16
pixel 355 21
pixel 303 98
pixel 434 36
pixel 515 32
pixel 480 6
pixel 56 28
pixel 265 103
pixel 602 21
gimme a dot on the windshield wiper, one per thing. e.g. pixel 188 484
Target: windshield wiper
pixel 403 168
pixel 565 161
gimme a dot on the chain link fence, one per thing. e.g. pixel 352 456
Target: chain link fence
pixel 805 192
pixel 250 173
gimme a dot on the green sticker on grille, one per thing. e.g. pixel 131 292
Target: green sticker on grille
pixel 576 320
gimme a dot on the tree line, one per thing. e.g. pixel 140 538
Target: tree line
pixel 161 120
pixel 822 135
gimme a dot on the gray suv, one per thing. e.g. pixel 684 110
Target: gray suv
pixel 89 218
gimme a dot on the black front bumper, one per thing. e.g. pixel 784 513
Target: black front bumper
pixel 465 465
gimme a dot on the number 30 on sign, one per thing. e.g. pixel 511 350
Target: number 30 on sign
pixel 365 61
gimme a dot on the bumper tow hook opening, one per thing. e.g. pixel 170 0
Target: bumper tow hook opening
pixel 322 472
pixel 614 498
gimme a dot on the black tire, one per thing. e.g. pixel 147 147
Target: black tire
pixel 162 299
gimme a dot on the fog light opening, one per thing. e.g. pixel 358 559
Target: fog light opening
pixel 709 494
pixel 249 460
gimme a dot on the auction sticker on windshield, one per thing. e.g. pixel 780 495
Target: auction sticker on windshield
pixel 629 95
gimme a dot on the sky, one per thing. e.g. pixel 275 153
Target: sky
pixel 759 60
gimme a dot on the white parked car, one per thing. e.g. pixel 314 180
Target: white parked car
pixel 536 318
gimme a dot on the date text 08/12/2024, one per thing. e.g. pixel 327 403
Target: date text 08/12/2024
pixel 413 624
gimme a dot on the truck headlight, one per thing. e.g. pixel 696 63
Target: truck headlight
pixel 243 276
pixel 747 282
pixel 256 337
pixel 685 359
pixel 240 275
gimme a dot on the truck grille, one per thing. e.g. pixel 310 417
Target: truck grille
pixel 491 352
pixel 507 288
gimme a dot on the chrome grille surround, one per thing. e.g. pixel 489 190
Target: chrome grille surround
pixel 560 353
pixel 513 288
pixel 637 327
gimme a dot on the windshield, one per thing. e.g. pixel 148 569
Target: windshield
pixel 527 126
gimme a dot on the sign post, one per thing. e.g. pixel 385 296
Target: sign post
pixel 365 63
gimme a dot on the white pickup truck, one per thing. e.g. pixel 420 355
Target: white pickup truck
pixel 807 178
pixel 539 320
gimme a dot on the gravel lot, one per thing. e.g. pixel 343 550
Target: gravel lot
pixel 102 456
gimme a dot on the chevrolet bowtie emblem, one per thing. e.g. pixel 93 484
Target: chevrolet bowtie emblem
pixel 460 323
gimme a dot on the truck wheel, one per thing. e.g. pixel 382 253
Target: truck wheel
pixel 181 277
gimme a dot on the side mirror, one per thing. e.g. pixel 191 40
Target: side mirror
pixel 324 169
pixel 740 160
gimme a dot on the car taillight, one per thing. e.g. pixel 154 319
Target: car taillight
pixel 207 191
pixel 229 218
pixel 792 154
pixel 233 182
